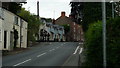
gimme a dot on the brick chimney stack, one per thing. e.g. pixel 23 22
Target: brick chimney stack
pixel 62 14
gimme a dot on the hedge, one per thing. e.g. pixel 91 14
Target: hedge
pixel 94 47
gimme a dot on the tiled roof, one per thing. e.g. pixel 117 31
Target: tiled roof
pixel 63 20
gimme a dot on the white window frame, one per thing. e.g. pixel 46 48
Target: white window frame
pixel 74 29
pixel 74 23
pixel 16 19
pixel 21 22
pixel 0 35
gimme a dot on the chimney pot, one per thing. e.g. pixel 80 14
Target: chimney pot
pixel 63 14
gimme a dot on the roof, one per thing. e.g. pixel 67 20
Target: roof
pixel 13 14
pixel 63 20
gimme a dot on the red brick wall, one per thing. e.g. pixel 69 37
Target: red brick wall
pixel 75 31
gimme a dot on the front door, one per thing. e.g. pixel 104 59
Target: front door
pixel 5 39
pixel 11 40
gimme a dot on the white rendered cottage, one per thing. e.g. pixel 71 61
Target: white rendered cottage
pixel 9 23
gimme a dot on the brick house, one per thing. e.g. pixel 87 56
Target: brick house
pixel 75 33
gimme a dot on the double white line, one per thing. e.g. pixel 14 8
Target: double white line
pixel 81 49
pixel 76 50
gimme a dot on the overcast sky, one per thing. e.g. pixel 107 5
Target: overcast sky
pixel 49 8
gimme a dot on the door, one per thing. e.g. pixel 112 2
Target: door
pixel 5 39
pixel 11 40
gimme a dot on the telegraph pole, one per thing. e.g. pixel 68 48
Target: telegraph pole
pixel 38 9
pixel 104 33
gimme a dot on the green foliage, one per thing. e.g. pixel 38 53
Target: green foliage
pixel 93 45
pixel 48 20
pixel 92 12
pixel 66 28
pixel 113 42
pixel 33 23
pixel 15 7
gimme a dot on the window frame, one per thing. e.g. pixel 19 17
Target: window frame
pixel 0 35
pixel 16 20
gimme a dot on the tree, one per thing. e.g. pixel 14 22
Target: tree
pixel 66 28
pixel 13 7
pixel 89 12
pixel 117 8
pixel 33 24
pixel 76 11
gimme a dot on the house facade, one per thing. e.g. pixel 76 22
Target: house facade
pixel 11 27
pixel 51 32
pixel 75 33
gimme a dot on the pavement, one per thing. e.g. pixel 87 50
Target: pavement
pixel 50 54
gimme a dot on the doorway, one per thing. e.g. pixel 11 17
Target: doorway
pixel 5 39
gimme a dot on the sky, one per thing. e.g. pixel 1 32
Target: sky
pixel 49 8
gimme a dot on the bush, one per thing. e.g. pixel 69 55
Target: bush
pixel 113 43
pixel 93 45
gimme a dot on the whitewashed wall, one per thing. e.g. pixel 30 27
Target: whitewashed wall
pixel 9 23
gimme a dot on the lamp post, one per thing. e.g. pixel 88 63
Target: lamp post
pixel 112 8
pixel 104 33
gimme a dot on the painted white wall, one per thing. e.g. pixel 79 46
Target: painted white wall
pixel 9 22
pixel 24 35
pixel 7 26
pixel 1 43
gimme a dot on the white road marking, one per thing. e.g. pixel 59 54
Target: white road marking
pixel 76 50
pixel 81 49
pixel 41 54
pixel 52 50
pixel 22 62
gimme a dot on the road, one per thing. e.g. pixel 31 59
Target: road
pixel 44 54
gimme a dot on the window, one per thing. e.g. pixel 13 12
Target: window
pixel 21 22
pixel 16 20
pixel 74 29
pixel 74 23
pixel 0 35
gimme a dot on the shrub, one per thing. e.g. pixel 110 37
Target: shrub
pixel 93 45
pixel 113 43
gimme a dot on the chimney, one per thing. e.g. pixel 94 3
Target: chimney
pixel 62 14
